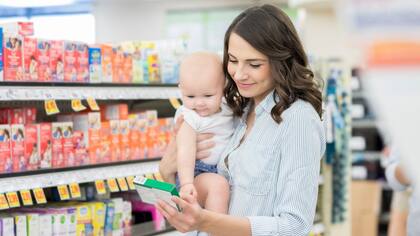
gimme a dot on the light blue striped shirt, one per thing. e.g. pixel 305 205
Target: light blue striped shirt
pixel 273 174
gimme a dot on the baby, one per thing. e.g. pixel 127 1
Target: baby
pixel 204 111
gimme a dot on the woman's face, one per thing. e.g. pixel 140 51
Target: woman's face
pixel 249 68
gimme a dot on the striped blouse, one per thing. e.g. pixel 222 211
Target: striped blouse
pixel 273 174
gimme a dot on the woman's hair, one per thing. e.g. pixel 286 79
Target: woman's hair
pixel 270 31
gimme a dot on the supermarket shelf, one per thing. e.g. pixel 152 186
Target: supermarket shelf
pixel 59 91
pixel 81 174
pixel 364 123
pixel 366 156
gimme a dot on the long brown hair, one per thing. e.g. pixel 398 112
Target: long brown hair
pixel 270 31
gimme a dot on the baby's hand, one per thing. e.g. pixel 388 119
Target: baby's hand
pixel 188 189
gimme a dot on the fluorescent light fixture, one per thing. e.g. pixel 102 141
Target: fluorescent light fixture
pixel 34 3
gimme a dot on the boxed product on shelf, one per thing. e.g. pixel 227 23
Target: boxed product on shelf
pixel 12 55
pixel 154 67
pixel 143 134
pixel 109 217
pixel 134 132
pixel 29 115
pixel 80 151
pixel 115 140
pixel 30 59
pixel 115 112
pixel 90 124
pixel 45 144
pixel 43 56
pixel 16 116
pixel 5 149
pixel 117 65
pixel 68 144
pixel 57 144
pixel 138 64
pixel 95 66
pixel 98 217
pixel 18 147
pixel 105 134
pixel 69 59
pixel 124 140
pixel 106 62
pixel 32 146
pixel 18 28
pixel 33 224
pixel 127 67
pixel 1 55
pixel 117 224
pixel 45 219
pixel 7 225
pixel 82 63
pixel 56 60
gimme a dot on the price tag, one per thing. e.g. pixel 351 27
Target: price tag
pixel 130 182
pixel 13 199
pixel 26 197
pixel 76 105
pixel 63 191
pixel 123 184
pixel 75 190
pixel 3 202
pixel 39 196
pixel 100 186
pixel 113 186
pixel 51 107
pixel 92 104
pixel 175 102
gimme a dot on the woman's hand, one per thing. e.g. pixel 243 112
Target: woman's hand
pixel 189 219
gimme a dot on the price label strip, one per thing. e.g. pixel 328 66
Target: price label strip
pixel 76 105
pixel 3 202
pixel 130 181
pixel 92 104
pixel 123 184
pixel 39 196
pixel 51 107
pixel 26 197
pixel 113 186
pixel 13 199
pixel 175 102
pixel 100 187
pixel 63 191
pixel 75 190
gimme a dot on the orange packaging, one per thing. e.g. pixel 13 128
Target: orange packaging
pixel 90 124
pixel 12 58
pixel 68 144
pixel 115 140
pixel 134 137
pixel 152 118
pixel 115 112
pixel 56 60
pixel 106 62
pixel 20 163
pixel 117 65
pixel 69 58
pixel 162 138
pixel 57 160
pixel 6 164
pixel 152 141
pixel 105 134
pixel 124 140
pixel 43 55
pixel 45 143
pixel 82 63
pixel 32 146
pixel 142 125
pixel 30 59
pixel 127 68
pixel 81 153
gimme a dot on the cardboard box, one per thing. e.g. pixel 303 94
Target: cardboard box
pixel 151 190
pixel 115 112
pixel 33 224
pixel 45 143
pixel 115 140
pixel 20 163
pixel 90 124
pixel 43 55
pixel 68 144
pixel 105 142
pixel 127 68
pixel 57 145
pixel 69 58
pixel 81 153
pixel 30 59
pixel 29 115
pixel 56 60
pixel 124 140
pixel 32 146
pixel 82 63
pixel 12 56
pixel 117 65
pixel 106 62
pixel 18 28
pixel 95 66
pixel 134 130
pixel 6 164
pixel 7 226
pixel 16 116
pixel 1 56
pixel 20 224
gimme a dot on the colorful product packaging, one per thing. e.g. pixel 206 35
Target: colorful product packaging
pixel 115 140
pixel 1 55
pixel 69 58
pixel 56 60
pixel 82 63
pixel 81 153
pixel 12 56
pixel 127 67
pixel 117 65
pixel 6 164
pixel 20 163
pixel 43 55
pixel 106 62
pixel 68 144
pixel 30 59
pixel 32 146
pixel 105 142
pixel 57 145
pixel 18 28
pixel 45 143
pixel 124 140
pixel 95 66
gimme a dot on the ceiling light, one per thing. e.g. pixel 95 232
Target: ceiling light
pixel 34 3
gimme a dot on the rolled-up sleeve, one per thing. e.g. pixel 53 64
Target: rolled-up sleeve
pixel 297 183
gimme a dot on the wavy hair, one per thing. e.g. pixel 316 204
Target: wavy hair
pixel 270 31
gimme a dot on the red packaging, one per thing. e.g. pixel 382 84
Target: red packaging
pixel 105 142
pixel 30 59
pixel 127 68
pixel 31 146
pixel 82 63
pixel 69 58
pixel 124 140
pixel 18 28
pixel 57 145
pixel 16 116
pixel 68 144
pixel 56 60
pixel 81 153
pixel 4 116
pixel 45 143
pixel 115 140
pixel 12 58
pixel 90 124
pixel 43 51
pixel 6 164
pixel 20 163
pixel 29 115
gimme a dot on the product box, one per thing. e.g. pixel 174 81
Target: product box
pixel 142 124
pixel 95 66
pixel 153 65
pixel 32 146
pixel 106 62
pixel 118 213
pixel 68 145
pixel 124 140
pixel 56 60
pixel 105 142
pixel 45 221
pixel 127 68
pixel 98 217
pixel 1 55
pixel 16 116
pixel 57 144
pixel 29 115
pixel 162 135
pixel 81 153
pixel 6 164
pixel 109 217
pixel 20 224
pixel 90 124
pixel 7 226
pixel 12 58
pixel 20 163
pixel 82 63
pixel 117 65
pixel 127 217
pixel 45 144
pixel 69 58
pixel 134 130
pixel 138 64
pixel 18 28
pixel 151 190
pixel 30 60
pixel 115 140
pixel 115 112
pixel 33 224
pixel 43 55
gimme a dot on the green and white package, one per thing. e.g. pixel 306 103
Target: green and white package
pixel 151 190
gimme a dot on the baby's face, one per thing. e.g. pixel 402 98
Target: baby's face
pixel 203 94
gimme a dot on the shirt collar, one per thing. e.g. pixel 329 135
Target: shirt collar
pixel 265 105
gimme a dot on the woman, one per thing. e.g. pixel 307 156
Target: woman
pixel 273 160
